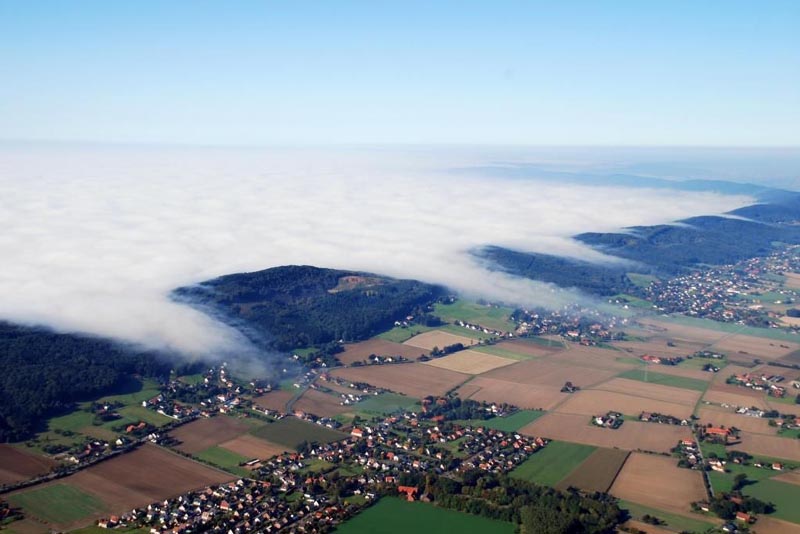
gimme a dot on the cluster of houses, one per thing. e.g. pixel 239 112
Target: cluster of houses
pixel 661 360
pixel 478 328
pixel 238 507
pixel 612 420
pixel 654 417
pixel 689 454
pixel 730 293
pixel 760 382
pixel 290 492
pixel 575 323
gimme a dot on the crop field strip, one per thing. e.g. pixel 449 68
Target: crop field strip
pixel 291 432
pixel 553 463
pixel 470 362
pixel 597 472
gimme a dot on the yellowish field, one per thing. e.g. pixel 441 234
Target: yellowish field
pixel 551 372
pixel 658 482
pixel 523 395
pixel 630 436
pixel 470 362
pixel 772 446
pixel 437 338
pixel 596 402
pixel 637 388
pixel 413 379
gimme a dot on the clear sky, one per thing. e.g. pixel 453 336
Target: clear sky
pixel 640 72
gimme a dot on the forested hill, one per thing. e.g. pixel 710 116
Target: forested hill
pixel 665 249
pixel 592 278
pixel 45 373
pixel 300 306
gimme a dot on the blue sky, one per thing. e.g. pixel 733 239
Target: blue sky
pixel 496 72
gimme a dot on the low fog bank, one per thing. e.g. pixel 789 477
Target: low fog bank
pixel 95 238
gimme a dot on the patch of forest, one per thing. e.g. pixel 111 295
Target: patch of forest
pixel 46 373
pixel 596 279
pixel 301 306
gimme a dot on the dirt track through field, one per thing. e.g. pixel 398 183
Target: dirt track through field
pixel 204 433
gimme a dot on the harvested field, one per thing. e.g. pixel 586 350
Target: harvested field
pixel 251 446
pixel 138 478
pixel 437 338
pixel 793 409
pixel 681 332
pixel 549 372
pixel 525 396
pixel 791 359
pixel 636 388
pixel 470 362
pixel 657 346
pixel 274 400
pixel 719 417
pixel 658 482
pixel 595 402
pixel 792 477
pixel 413 379
pixel 597 472
pixel 321 404
pixel 756 347
pixel 204 433
pixel 771 446
pixel 630 436
pixel 529 348
pixel 592 357
pixel 358 352
pixel 468 390
pixel 17 465
pixel 738 397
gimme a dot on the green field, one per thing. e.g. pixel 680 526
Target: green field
pixel 675 522
pixel 632 301
pixel 498 350
pixel 135 414
pixel 465 332
pixel 723 482
pixel 665 380
pixel 699 363
pixel 387 403
pixel 291 432
pixel 551 464
pixel 192 380
pixel 496 318
pixel 97 530
pixel 140 390
pixel 510 423
pixel 224 459
pixel 786 497
pixel 59 503
pixel 641 280
pixel 398 334
pixel 395 516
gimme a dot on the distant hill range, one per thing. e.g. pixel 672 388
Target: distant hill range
pixel 300 306
pixel 666 249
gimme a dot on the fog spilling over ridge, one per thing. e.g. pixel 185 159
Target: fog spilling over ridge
pixel 95 238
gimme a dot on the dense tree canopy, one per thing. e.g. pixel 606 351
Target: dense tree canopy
pixel 300 306
pixel 45 373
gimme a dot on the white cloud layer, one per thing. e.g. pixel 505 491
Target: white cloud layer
pixel 94 238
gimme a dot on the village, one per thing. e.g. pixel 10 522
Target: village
pixel 288 493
